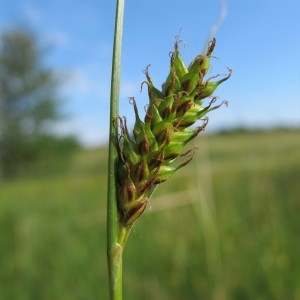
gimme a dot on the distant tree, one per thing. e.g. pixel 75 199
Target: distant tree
pixel 28 98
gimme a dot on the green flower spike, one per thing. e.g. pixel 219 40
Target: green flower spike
pixel 148 156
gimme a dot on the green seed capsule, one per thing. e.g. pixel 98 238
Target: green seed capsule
pixel 185 122
pixel 202 62
pixel 172 84
pixel 142 143
pixel 155 96
pixel 166 107
pixel 128 192
pixel 146 188
pixel 173 150
pixel 164 173
pixel 155 159
pixel 128 152
pixel 205 65
pixel 133 212
pixel 185 135
pixel 129 147
pixel 146 141
pixel 163 132
pixel 190 117
pixel 193 111
pixel 141 170
pixel 151 138
pixel 152 116
pixel 191 81
pixel 179 66
pixel 184 107
pixel 183 103
pixel 209 87
pixel 138 124
pixel 182 136
pixel 195 65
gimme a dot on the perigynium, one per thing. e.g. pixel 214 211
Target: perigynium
pixel 156 149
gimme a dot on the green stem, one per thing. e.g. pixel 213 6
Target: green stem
pixel 123 235
pixel 114 249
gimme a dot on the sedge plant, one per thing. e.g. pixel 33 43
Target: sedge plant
pixel 156 148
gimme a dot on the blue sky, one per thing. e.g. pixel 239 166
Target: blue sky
pixel 258 39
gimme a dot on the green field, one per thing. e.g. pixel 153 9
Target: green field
pixel 225 227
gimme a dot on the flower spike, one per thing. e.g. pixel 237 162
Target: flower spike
pixel 147 157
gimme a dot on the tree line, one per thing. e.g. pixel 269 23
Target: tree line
pixel 29 102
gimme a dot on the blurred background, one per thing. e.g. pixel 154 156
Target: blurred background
pixel 225 227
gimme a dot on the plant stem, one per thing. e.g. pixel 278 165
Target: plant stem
pixel 114 249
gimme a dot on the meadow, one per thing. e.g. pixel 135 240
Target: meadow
pixel 225 227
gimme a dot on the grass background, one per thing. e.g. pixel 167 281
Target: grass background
pixel 225 227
